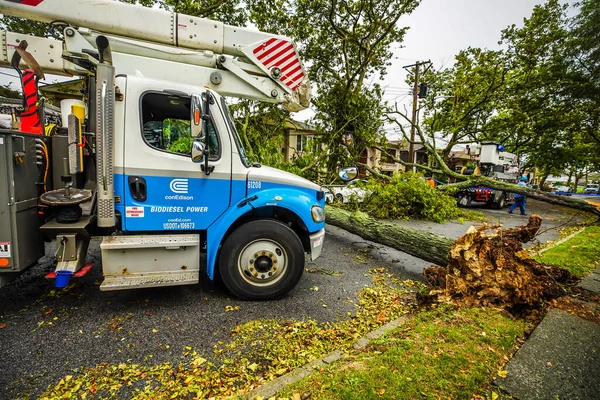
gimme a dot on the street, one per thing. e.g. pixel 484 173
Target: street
pixel 51 332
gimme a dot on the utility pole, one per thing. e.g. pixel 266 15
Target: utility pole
pixel 411 146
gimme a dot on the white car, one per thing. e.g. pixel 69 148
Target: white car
pixel 591 188
pixel 344 193
pixel 566 190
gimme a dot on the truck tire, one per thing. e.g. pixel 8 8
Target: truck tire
pixel 501 202
pixel 339 198
pixel 464 200
pixel 261 260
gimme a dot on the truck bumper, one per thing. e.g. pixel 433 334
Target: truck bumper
pixel 316 244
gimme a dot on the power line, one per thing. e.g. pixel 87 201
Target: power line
pixel 17 77
pixel 397 93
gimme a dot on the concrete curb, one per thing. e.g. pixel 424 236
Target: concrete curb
pixel 271 388
pixel 561 240
pixel 591 281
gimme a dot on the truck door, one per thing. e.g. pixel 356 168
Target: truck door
pixel 163 190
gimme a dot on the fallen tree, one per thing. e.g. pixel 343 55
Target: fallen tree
pixel 486 266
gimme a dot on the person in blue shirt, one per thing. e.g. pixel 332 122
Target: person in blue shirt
pixel 520 199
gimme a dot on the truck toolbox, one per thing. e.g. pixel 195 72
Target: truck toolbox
pixel 21 242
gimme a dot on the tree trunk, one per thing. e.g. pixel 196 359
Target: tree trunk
pixel 424 245
pixel 565 201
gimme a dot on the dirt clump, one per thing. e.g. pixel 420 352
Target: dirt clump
pixel 488 267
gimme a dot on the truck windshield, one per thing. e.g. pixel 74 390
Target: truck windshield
pixel 236 136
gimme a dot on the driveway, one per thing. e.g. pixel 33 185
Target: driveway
pixel 50 332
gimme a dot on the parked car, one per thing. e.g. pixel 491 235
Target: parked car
pixel 564 190
pixel 328 195
pixel 592 188
pixel 343 193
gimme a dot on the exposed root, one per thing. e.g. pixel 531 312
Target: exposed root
pixel 488 267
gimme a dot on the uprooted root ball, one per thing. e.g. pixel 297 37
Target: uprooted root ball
pixel 488 266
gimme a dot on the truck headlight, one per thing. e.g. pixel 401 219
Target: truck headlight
pixel 318 215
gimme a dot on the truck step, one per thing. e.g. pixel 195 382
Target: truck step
pixel 168 258
pixel 148 241
pixel 150 280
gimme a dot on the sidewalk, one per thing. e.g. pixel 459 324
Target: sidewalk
pixel 561 358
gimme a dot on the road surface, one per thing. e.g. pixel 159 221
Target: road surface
pixel 50 332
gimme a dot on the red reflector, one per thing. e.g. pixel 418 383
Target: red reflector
pixel 84 270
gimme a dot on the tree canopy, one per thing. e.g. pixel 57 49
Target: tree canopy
pixel 537 95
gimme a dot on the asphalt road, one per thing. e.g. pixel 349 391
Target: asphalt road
pixel 50 332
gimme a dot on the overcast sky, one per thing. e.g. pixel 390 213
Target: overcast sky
pixel 439 29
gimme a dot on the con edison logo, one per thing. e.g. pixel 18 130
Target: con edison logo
pixel 179 186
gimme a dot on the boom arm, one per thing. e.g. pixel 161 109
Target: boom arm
pixel 231 60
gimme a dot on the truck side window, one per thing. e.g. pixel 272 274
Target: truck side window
pixel 166 125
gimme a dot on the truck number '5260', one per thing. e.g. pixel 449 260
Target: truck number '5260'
pixel 253 184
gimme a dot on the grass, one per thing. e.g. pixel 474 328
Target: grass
pixel 442 353
pixel 471 215
pixel 579 255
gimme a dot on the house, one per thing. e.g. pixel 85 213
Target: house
pixel 73 89
pixel 458 159
pixel 298 138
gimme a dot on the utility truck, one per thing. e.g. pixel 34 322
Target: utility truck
pixel 157 168
pixel 492 162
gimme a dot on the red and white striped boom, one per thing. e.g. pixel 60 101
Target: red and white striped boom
pixel 273 57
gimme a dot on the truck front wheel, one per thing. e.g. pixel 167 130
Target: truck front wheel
pixel 261 260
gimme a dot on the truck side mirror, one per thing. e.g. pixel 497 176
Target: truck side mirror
pixel 196 117
pixel 198 151
pixel 348 173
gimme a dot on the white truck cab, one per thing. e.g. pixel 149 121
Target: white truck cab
pixel 171 189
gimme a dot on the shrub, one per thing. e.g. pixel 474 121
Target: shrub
pixel 408 195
